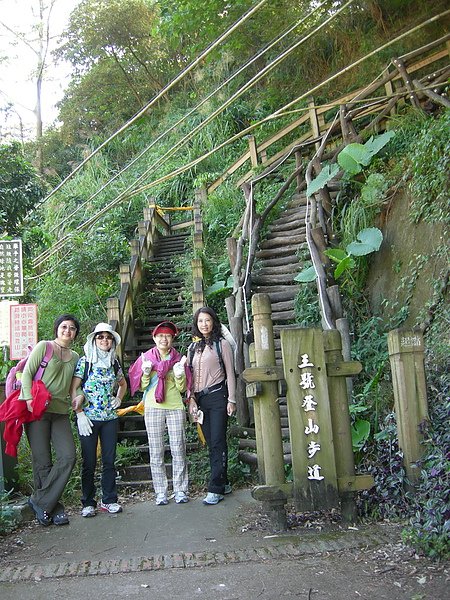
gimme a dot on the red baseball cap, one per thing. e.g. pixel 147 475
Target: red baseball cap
pixel 166 327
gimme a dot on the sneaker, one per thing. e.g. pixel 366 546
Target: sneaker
pixel 41 515
pixel 181 498
pixel 227 489
pixel 212 498
pixel 161 499
pixel 112 508
pixel 58 515
pixel 88 511
pixel 60 518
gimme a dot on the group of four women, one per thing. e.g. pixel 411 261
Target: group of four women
pixel 94 386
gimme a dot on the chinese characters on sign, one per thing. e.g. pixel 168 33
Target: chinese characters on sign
pixel 11 276
pixel 410 340
pixel 309 405
pixel 23 329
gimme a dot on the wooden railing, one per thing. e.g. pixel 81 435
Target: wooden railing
pixel 121 308
pixel 198 297
pixel 398 84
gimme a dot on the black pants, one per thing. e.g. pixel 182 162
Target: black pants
pixel 214 407
pixel 107 432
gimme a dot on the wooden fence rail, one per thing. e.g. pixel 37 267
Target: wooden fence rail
pixel 121 309
pixel 396 85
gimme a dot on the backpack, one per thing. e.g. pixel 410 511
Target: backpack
pixel 13 379
pixel 89 369
pixel 192 347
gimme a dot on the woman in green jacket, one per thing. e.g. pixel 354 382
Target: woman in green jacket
pixel 53 431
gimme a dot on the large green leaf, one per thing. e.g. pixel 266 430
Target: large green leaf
pixel 325 175
pixel 369 240
pixel 306 275
pixel 352 157
pixel 346 263
pixel 360 433
pixel 374 145
pixel 336 254
pixel 217 286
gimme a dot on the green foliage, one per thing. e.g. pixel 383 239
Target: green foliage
pixel 7 514
pixel 20 188
pixel 127 453
pixel 355 157
pixel 429 526
pixel 306 307
pixel 429 168
pixel 368 241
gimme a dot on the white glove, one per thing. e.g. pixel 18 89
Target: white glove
pixel 116 402
pixel 84 424
pixel 146 365
pixel 178 368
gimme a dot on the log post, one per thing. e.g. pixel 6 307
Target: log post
pixel 236 328
pixel 114 318
pixel 340 422
pixel 269 412
pixel 406 355
pixel 253 150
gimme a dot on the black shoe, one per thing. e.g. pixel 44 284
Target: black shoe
pixel 60 519
pixel 58 515
pixel 41 515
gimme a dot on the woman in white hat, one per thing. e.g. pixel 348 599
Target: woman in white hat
pixel 97 390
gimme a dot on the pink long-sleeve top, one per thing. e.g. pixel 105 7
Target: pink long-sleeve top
pixel 207 372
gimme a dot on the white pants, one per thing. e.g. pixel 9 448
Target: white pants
pixel 155 423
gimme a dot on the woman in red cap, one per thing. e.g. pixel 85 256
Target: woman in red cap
pixel 163 377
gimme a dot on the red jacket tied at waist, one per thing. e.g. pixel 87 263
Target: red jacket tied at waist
pixel 15 413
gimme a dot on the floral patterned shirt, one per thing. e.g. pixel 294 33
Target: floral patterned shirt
pixel 99 390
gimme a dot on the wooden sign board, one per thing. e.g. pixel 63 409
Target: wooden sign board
pixel 313 460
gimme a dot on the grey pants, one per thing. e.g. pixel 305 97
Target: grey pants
pixel 50 476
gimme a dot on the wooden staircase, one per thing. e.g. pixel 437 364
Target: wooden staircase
pixel 276 266
pixel 161 298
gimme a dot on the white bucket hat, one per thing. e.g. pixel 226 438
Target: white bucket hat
pixel 103 328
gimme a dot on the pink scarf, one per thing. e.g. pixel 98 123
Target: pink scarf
pixel 162 367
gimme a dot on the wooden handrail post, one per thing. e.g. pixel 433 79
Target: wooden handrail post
pixel 253 150
pixel 406 355
pixel 340 422
pixel 113 312
pixel 269 426
pixel 270 410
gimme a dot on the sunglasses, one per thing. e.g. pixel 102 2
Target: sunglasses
pixel 104 337
pixel 70 327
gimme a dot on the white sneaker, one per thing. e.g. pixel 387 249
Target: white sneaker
pixel 88 511
pixel 161 499
pixel 228 489
pixel 181 498
pixel 112 508
pixel 212 498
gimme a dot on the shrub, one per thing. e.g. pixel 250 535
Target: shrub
pixel 429 526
